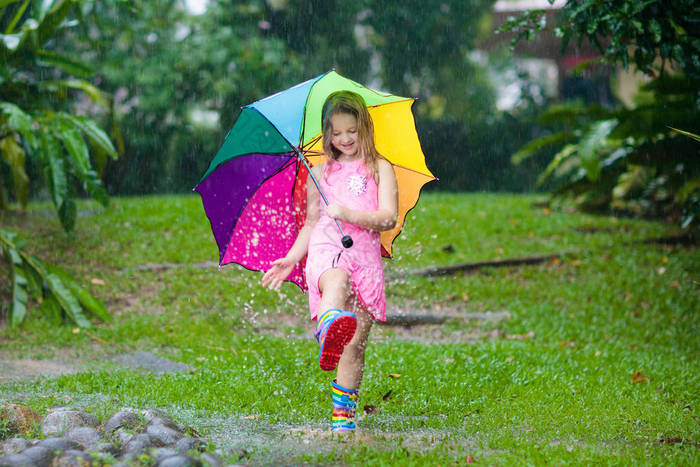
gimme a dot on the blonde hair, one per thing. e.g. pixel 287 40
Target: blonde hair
pixel 351 103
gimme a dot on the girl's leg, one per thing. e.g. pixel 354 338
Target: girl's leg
pixel 335 328
pixel 335 287
pixel 352 363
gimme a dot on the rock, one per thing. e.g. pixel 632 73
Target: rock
pixel 104 447
pixel 15 460
pixel 140 443
pixel 72 458
pixel 180 461
pixel 211 460
pixel 123 419
pixel 85 436
pixel 168 436
pixel 158 417
pixel 13 445
pixel 58 444
pixel 39 455
pixel 150 414
pixel 159 454
pixel 62 421
pixel 190 444
pixel 19 419
pixel 122 437
pixel 164 421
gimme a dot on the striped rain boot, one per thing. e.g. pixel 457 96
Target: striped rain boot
pixel 344 404
pixel 334 330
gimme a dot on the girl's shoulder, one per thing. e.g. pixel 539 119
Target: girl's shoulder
pixel 383 164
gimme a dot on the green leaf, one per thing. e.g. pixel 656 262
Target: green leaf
pixel 592 142
pixel 77 150
pixel 94 133
pixel 14 155
pixel 68 302
pixel 19 291
pixel 535 145
pixel 631 182
pixel 18 15
pixel 54 166
pixel 18 310
pixel 86 299
pixel 4 3
pixel 559 157
pixel 79 85
pixel 67 213
pixel 67 64
pixel 53 19
pixel 19 121
pixel 686 133
pixel 80 161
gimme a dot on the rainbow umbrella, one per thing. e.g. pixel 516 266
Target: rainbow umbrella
pixel 254 192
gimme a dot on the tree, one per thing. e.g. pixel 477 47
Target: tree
pixel 37 128
pixel 417 48
pixel 166 69
pixel 40 135
pixel 629 159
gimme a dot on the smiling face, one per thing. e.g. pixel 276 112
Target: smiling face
pixel 344 136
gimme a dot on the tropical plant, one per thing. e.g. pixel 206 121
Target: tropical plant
pixel 628 159
pixel 60 297
pixel 40 137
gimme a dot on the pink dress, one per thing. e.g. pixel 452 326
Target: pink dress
pixel 351 185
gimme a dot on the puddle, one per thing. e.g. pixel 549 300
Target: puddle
pixel 261 443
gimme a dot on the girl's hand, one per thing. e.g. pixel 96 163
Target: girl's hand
pixel 336 211
pixel 278 272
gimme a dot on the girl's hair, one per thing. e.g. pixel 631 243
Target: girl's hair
pixel 351 103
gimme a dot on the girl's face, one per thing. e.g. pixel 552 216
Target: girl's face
pixel 344 136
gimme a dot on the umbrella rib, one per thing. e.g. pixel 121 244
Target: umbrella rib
pixel 431 176
pixel 306 102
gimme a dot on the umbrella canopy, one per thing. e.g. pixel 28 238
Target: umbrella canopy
pixel 254 192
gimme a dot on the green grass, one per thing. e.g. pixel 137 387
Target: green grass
pixel 609 307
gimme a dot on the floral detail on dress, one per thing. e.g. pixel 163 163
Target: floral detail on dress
pixel 357 184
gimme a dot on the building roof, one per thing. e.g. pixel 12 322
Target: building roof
pixel 522 5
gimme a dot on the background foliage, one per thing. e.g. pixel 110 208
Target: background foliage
pixel 178 80
pixel 629 158
pixel 42 138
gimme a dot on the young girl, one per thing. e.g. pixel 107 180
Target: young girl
pixel 346 286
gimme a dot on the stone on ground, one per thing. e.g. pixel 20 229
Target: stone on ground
pixel 63 420
pixel 122 419
pixel 13 445
pixel 72 458
pixel 86 436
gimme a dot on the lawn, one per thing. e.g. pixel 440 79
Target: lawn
pixel 533 364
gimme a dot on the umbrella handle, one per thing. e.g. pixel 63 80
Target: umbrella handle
pixel 347 239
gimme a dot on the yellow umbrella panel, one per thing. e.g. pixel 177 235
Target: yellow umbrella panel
pixel 396 139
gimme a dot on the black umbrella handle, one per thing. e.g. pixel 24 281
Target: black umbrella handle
pixel 347 239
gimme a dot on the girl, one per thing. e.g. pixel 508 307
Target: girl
pixel 346 286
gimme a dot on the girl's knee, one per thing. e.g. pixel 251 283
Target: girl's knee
pixel 336 280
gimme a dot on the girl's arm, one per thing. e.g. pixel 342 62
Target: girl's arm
pixel 384 218
pixel 282 267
